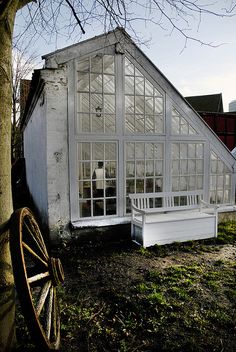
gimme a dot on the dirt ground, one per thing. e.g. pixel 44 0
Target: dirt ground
pixel 120 297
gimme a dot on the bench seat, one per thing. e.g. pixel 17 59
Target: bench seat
pixel 165 225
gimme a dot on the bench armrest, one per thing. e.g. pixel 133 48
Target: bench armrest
pixel 137 210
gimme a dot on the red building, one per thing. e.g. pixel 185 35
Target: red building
pixel 210 107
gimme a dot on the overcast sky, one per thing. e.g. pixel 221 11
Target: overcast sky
pixel 194 70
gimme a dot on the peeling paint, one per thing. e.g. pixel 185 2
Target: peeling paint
pixel 58 156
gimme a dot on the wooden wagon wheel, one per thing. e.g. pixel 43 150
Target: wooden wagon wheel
pixel 36 276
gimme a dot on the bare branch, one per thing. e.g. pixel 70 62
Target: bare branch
pixel 75 15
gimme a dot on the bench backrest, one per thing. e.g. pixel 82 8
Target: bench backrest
pixel 166 200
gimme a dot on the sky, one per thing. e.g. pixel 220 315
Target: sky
pixel 194 69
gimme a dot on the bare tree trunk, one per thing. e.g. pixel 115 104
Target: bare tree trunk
pixel 7 301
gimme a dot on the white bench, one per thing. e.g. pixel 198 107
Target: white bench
pixel 166 217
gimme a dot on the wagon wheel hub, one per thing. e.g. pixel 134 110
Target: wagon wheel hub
pixel 57 272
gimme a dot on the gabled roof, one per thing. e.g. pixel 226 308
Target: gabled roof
pixel 206 103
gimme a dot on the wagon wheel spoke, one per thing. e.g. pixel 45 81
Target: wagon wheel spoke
pixel 34 254
pixel 48 313
pixel 56 319
pixel 37 241
pixel 36 277
pixel 42 297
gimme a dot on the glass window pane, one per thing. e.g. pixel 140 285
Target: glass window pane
pixel 158 105
pixel 191 150
pixel 129 85
pixel 159 125
pixel 98 151
pixel 85 208
pixel 148 88
pixel 97 123
pixel 129 104
pixel 129 68
pixel 158 151
pixel 149 108
pixel 139 105
pixel 108 64
pixel 129 124
pixel 149 151
pixel 83 82
pixel 183 184
pixel 109 84
pixel 175 125
pixel 84 170
pixel 199 150
pixel 138 73
pixel 220 182
pixel 83 65
pixel 213 197
pixel 85 189
pixel 130 186
pixel 96 83
pixel 109 104
pixel 192 183
pixel 139 85
pixel 157 93
pixel 175 167
pixel 226 196
pixel 213 182
pixel 175 183
pixel 130 169
pixel 110 151
pixel 84 122
pixel 220 167
pixel 110 123
pixel 158 185
pixel 150 168
pixel 191 130
pixel 110 206
pixel 139 150
pixel 130 151
pixel 139 186
pixel 96 64
pixel 183 126
pixel 110 188
pixel 199 166
pixel 111 169
pixel 191 166
pixel 149 124
pixel 158 168
pixel 83 102
pixel 219 197
pixel 139 123
pixel 183 151
pixel 85 148
pixel 183 167
pixel 149 185
pixel 175 150
pixel 213 166
pixel 96 103
pixel 199 182
pixel 140 169
pixel 98 207
pixel 227 181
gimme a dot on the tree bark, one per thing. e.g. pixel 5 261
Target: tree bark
pixel 7 291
